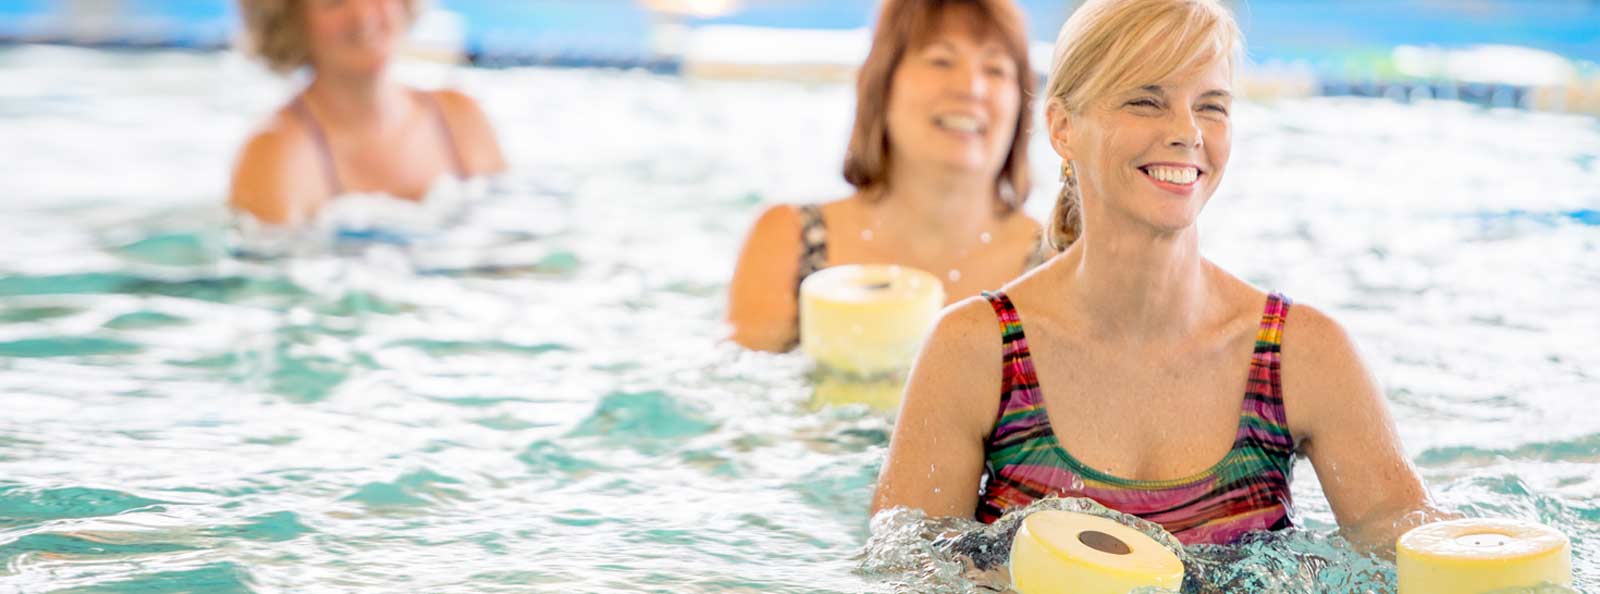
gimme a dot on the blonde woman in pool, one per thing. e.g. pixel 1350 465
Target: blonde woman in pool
pixel 1130 369
pixel 938 157
pixel 353 129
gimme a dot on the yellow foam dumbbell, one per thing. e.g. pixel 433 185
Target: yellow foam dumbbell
pixel 867 320
pixel 1060 552
pixel 1478 555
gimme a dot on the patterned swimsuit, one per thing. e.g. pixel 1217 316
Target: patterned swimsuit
pixel 1247 490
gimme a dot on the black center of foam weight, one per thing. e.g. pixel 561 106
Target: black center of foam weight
pixel 1103 542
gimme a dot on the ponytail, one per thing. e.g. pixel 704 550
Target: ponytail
pixel 1066 219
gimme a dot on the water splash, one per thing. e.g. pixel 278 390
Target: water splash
pixel 910 552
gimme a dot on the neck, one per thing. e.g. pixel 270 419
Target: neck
pixel 358 101
pixel 938 202
pixel 1137 283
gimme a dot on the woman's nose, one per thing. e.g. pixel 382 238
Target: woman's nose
pixel 1183 130
pixel 967 77
pixel 372 9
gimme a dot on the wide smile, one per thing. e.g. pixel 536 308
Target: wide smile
pixel 960 124
pixel 1176 178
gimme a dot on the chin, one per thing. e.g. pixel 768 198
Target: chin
pixel 973 164
pixel 368 66
pixel 1174 220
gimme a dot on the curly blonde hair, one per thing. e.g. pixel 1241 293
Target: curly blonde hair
pixel 274 31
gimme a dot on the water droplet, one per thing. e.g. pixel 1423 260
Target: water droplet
pixel 866 235
pixel 955 275
pixel 985 237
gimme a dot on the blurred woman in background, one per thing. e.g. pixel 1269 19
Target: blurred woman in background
pixel 352 129
pixel 938 158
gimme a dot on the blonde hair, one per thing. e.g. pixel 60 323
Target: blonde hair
pixel 1111 46
pixel 275 31
pixel 904 25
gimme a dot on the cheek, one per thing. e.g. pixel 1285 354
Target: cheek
pixel 325 28
pixel 906 88
pixel 396 14
pixel 903 97
pixel 1006 107
pixel 1115 144
pixel 1221 148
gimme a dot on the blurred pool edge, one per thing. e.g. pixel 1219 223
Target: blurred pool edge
pixel 728 46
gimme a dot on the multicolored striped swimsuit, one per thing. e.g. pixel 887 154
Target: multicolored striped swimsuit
pixel 1247 490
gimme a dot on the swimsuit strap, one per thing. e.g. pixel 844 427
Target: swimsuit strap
pixel 320 138
pixel 1265 424
pixel 813 241
pixel 1019 382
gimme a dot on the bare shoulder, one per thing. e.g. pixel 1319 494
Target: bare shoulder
pixel 762 303
pixel 957 374
pixel 1311 335
pixel 461 107
pixel 1323 373
pixel 473 131
pixel 274 175
pixel 282 135
pixel 778 225
pixel 966 328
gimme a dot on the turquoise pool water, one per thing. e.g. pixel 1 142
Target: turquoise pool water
pixel 536 401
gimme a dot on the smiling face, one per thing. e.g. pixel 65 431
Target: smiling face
pixel 1154 154
pixel 356 37
pixel 954 100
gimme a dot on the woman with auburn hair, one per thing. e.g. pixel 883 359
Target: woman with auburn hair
pixel 352 130
pixel 1129 369
pixel 938 158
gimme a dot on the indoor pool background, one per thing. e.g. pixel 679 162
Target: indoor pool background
pixel 537 400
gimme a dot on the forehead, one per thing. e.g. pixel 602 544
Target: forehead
pixel 958 23
pixel 1202 77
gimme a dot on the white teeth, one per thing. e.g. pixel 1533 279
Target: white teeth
pixel 958 123
pixel 1173 175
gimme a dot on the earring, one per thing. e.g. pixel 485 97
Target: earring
pixel 1066 171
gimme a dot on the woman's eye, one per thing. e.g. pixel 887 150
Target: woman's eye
pixel 1144 103
pixel 1216 108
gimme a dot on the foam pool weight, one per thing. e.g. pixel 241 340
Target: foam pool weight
pixel 1479 555
pixel 867 320
pixel 1059 552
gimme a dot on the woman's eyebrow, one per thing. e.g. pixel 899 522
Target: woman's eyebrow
pixel 1211 94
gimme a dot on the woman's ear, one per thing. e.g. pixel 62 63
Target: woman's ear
pixel 1060 127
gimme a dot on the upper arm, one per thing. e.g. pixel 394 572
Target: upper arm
pixel 275 179
pixel 762 301
pixel 1338 412
pixel 936 454
pixel 474 135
